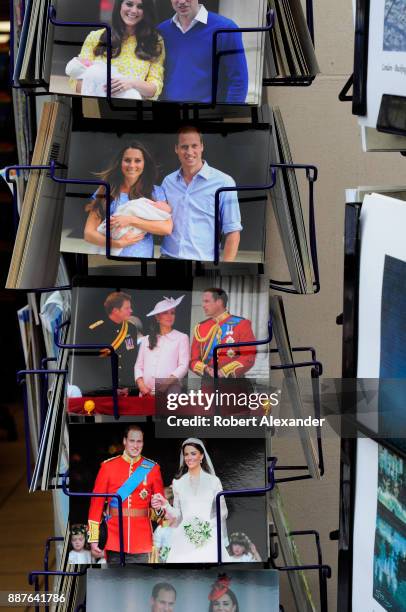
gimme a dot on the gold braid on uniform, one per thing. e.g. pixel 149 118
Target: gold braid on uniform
pixel 229 369
pixel 118 340
pixel 93 535
pixel 214 331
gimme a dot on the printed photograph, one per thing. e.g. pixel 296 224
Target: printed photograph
pixel 163 337
pixel 392 483
pixel 163 187
pixel 395 26
pixel 169 495
pixel 161 50
pixel 392 371
pixel 390 535
pixel 389 564
pixel 171 590
pixel 174 591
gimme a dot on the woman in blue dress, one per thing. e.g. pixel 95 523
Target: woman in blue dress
pixel 131 176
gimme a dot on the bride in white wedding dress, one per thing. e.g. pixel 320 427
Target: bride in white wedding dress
pixel 193 514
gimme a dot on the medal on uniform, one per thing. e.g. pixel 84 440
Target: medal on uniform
pixel 144 492
pixel 129 343
pixel 229 339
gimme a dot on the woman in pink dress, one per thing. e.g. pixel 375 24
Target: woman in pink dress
pixel 165 352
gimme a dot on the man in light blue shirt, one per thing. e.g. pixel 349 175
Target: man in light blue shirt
pixel 190 191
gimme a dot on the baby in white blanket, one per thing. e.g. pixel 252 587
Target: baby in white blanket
pixel 143 208
pixel 94 78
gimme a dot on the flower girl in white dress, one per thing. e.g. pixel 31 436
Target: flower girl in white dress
pixel 193 514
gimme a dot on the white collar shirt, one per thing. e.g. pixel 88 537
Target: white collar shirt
pixel 201 17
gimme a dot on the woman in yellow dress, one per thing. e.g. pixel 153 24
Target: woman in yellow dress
pixel 138 52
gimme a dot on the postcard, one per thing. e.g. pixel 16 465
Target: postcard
pixel 382 325
pixel 163 191
pixel 168 495
pixel 386 55
pixel 380 535
pixel 210 590
pixel 163 332
pixel 161 50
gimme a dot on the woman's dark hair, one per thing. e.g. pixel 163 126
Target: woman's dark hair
pixel 233 598
pixel 154 331
pixel 143 188
pixel 184 469
pixel 148 47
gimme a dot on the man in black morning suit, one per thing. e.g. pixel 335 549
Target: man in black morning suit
pixel 119 330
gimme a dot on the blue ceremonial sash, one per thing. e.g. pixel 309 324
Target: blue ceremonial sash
pixel 132 482
pixel 231 322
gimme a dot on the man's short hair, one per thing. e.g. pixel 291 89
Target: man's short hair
pixel 162 586
pixel 116 300
pixel 218 294
pixel 189 129
pixel 132 427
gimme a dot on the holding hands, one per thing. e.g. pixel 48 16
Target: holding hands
pixel 158 501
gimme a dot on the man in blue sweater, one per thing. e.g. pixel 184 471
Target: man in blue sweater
pixel 188 38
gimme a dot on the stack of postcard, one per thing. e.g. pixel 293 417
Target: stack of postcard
pixel 292 49
pixel 32 65
pixel 281 333
pixel 288 211
pixel 35 258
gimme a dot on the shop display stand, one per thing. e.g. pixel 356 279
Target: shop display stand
pixel 185 111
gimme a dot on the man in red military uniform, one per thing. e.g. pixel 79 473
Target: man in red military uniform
pixel 136 479
pixel 221 328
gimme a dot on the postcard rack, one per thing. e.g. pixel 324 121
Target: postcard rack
pixel 323 570
pixel 185 111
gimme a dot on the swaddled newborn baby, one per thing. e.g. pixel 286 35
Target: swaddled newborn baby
pixel 141 207
pixel 94 78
